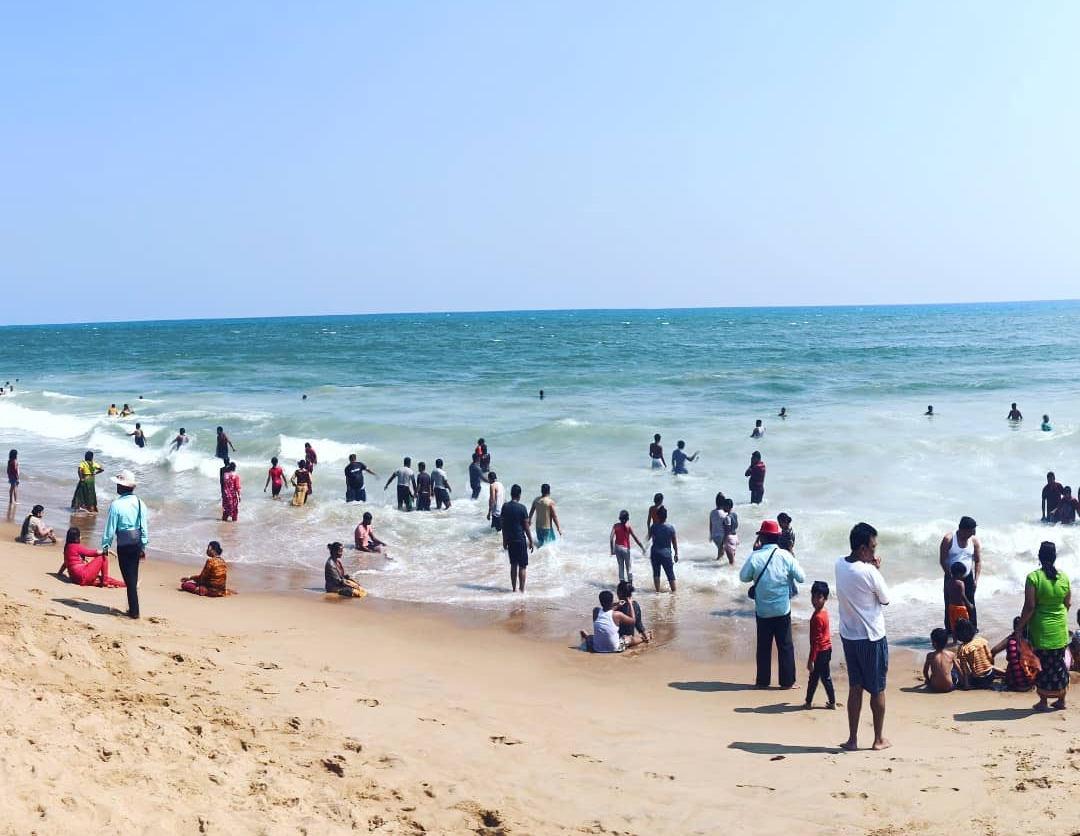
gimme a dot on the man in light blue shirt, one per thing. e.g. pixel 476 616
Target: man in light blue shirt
pixel 772 570
pixel 127 523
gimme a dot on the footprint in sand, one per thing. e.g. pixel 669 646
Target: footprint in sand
pixel 939 789
pixel 845 794
pixel 154 619
pixel 504 740
pixel 585 757
pixel 269 666
pixel 430 720
pixel 370 702
pixel 663 776
pixel 752 786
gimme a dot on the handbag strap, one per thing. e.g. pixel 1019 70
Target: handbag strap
pixel 766 566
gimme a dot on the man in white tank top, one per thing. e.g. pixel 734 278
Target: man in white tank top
pixel 962 547
pixel 606 623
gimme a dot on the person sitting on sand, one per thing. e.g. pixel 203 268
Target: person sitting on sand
pixel 34 531
pixel 336 579
pixel 1021 663
pixel 973 655
pixel 365 538
pixel 605 637
pixel 940 671
pixel 631 634
pixel 84 565
pixel 211 581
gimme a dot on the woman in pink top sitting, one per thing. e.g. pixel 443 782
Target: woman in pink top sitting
pixel 86 566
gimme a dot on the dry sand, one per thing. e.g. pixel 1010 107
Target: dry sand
pixel 300 713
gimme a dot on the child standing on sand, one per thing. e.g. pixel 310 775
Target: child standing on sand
pixel 955 592
pixel 940 670
pixel 820 646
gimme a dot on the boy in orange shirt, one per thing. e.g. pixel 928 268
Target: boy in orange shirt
pixel 820 646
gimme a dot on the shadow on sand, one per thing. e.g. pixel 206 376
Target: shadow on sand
pixel 86 606
pixel 784 749
pixel 775 708
pixel 995 715
pixel 711 687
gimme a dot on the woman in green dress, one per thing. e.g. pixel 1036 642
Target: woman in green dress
pixel 85 498
pixel 1047 598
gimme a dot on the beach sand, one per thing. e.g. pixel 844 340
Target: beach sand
pixel 300 713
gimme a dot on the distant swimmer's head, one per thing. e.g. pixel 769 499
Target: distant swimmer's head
pixel 680 444
pixel 1046 419
pixel 658 499
pixel 606 599
pixel 967 524
pixel 964 630
pixel 1014 405
pixel 939 637
pixel 783 411
pixel 515 491
pixel 929 410
pixel 491 476
pixel 303 397
pixel 367 518
pixel 958 570
pixel 624 516
pixel 545 489
pixel 656 438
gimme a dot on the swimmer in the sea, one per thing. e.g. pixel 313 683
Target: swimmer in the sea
pixel 1015 414
pixel 782 413
pixel 929 411
pixel 1046 424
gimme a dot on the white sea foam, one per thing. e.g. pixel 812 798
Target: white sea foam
pixel 41 423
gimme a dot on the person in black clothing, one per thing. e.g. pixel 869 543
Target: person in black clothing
pixel 516 536
pixel 354 479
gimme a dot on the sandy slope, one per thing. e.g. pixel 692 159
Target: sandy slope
pixel 297 713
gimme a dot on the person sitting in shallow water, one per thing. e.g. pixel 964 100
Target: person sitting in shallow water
pixel 336 579
pixel 636 633
pixel 1045 426
pixel 211 581
pixel 607 620
pixel 365 539
pixel 84 565
pixel 34 531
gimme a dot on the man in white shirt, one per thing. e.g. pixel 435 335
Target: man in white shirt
pixel 861 592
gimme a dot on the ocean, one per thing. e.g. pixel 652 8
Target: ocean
pixel 856 446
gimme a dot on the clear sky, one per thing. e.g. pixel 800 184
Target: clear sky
pixel 254 159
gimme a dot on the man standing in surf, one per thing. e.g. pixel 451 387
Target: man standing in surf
pixel 656 453
pixel 962 547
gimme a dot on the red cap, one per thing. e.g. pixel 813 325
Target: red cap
pixel 769 527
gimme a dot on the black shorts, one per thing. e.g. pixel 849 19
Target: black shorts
pixel 662 561
pixel 404 496
pixel 519 553
pixel 423 502
pixel 442 497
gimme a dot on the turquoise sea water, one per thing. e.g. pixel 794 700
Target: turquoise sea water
pixel 856 446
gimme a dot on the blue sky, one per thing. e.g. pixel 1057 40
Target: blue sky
pixel 250 159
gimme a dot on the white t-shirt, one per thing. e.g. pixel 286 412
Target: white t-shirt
pixel 717 523
pixel 500 497
pixel 861 592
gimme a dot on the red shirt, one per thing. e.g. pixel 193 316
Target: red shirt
pixel 819 633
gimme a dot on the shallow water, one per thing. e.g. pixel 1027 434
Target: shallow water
pixel 856 446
